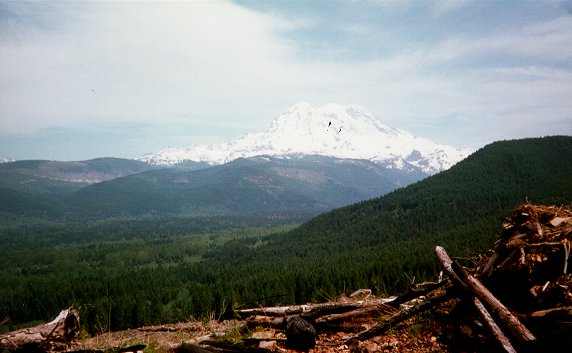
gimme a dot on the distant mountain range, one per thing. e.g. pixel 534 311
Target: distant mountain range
pixel 332 130
pixel 111 187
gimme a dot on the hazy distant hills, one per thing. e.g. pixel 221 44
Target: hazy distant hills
pixel 86 172
pixel 40 187
pixel 107 187
pixel 246 185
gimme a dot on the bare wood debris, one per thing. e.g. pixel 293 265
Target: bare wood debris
pixel 55 335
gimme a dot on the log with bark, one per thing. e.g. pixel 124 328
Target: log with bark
pixel 54 335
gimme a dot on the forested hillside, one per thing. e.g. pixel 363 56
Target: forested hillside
pixel 127 274
pixel 311 184
pixel 383 243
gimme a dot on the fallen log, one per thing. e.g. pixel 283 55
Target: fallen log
pixel 510 321
pixel 463 279
pixel 312 310
pixel 447 265
pixel 413 293
pixel 493 327
pixel 56 334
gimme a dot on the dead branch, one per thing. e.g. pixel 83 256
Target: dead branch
pixel 385 325
pixel 374 309
pixel 492 326
pixel 461 278
pixel 498 309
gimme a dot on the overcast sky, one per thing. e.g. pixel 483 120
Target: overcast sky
pixel 80 80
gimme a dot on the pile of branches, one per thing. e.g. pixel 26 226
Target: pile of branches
pixel 525 285
pixel 530 264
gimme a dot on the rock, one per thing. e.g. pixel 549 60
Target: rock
pixel 300 334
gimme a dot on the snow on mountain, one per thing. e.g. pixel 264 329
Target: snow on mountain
pixel 332 130
pixel 7 160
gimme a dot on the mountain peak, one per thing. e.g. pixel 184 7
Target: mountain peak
pixel 343 131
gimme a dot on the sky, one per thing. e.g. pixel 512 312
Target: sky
pixel 87 79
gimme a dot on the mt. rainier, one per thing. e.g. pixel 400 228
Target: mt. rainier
pixel 332 130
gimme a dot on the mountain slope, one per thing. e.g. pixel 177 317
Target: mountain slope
pixel 309 184
pixel 383 242
pixel 332 130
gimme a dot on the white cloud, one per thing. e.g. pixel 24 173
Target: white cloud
pixel 140 61
pixel 187 63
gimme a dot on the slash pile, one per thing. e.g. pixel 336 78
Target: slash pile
pixel 530 272
pixel 530 269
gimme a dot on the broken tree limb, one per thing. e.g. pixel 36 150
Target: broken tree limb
pixel 412 293
pixel 385 325
pixel 460 276
pixel 560 313
pixel 492 326
pixel 447 265
pixel 510 321
pixel 56 333
pixel 374 309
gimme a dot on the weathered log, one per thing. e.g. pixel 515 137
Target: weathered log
pixel 501 312
pixel 312 310
pixel 405 314
pixel 55 334
pixel 266 321
pixel 460 277
pixel 447 265
pixel 492 326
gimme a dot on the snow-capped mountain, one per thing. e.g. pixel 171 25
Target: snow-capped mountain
pixel 332 130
